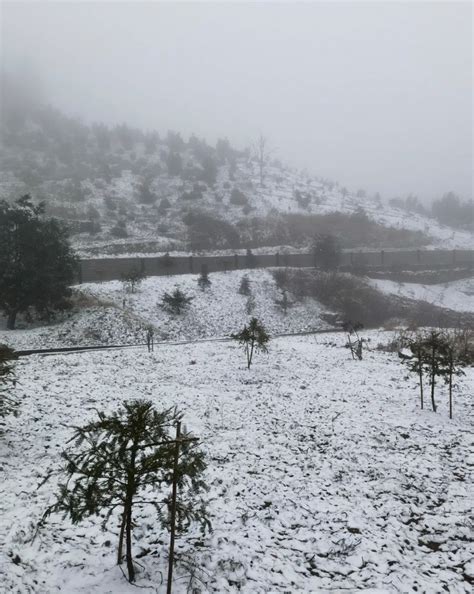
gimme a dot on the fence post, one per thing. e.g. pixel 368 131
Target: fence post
pixel 173 508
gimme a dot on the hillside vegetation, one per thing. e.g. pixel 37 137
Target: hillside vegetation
pixel 122 189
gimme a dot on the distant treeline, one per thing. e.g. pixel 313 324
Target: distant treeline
pixel 449 210
pixel 206 232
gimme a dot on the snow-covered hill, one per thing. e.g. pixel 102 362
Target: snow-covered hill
pixel 131 191
pixel 455 295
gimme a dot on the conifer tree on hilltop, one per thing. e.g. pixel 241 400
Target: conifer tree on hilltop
pixel 37 264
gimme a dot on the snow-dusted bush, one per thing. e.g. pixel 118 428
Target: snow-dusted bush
pixel 176 302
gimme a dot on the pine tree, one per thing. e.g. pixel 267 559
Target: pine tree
pixel 327 252
pixel 132 280
pixel 244 288
pixel 126 460
pixel 253 337
pixel 176 302
pixel 204 282
pixel 37 264
pixel 417 362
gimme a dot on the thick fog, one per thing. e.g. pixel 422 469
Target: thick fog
pixel 375 95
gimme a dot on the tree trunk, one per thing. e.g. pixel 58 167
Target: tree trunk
pixel 128 534
pixel 450 393
pixel 250 357
pixel 11 319
pixel 433 376
pixel 420 372
pixel 122 532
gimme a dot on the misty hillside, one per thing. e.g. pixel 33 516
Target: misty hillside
pixel 125 190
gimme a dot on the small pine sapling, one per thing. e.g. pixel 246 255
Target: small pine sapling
pixel 454 358
pixel 176 302
pixel 253 337
pixel 132 280
pixel 417 361
pixel 250 304
pixel 8 403
pixel 434 357
pixel 204 282
pixel 244 288
pixel 283 304
pixel 126 460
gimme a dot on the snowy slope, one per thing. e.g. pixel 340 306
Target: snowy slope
pixel 456 295
pixel 218 311
pixel 324 473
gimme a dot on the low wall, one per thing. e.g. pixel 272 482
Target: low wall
pixel 105 269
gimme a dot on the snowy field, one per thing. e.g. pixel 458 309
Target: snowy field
pixel 456 295
pixel 325 475
pixel 218 311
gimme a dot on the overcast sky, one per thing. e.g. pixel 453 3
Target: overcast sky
pixel 375 95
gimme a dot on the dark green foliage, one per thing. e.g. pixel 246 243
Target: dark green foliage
pixel 124 461
pixel 204 282
pixel 145 195
pixel 302 198
pixel 417 362
pixel 37 264
pixel 451 210
pixel 8 403
pixel 327 252
pixel 132 280
pixel 174 164
pixel 209 171
pixel 119 230
pixel 206 231
pixel 223 150
pixel 299 230
pixel 238 198
pixel 176 302
pixel 125 136
pixel 164 205
pixel 166 261
pixel 174 141
pixel 253 337
pixel 244 288
pixel 354 299
pixel 438 355
pixel 250 304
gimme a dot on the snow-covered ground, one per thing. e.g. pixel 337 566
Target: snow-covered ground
pixel 456 295
pixel 217 311
pixel 324 474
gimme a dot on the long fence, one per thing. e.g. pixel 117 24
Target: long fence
pixel 105 269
